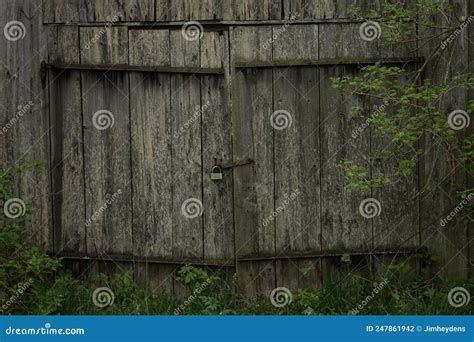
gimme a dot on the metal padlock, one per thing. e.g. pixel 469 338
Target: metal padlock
pixel 216 173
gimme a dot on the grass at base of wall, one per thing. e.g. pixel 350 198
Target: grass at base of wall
pixel 33 283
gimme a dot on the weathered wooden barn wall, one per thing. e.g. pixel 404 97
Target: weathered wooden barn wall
pixel 181 106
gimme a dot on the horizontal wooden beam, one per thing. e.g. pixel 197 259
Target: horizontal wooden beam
pixel 140 259
pixel 135 68
pixel 179 23
pixel 330 61
pixel 231 262
pixel 329 254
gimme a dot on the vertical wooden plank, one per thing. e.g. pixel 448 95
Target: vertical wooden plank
pixel 67 162
pixel 149 47
pixel 151 146
pixel 252 106
pixel 287 44
pixel 323 9
pixel 67 144
pixel 151 164
pixel 184 52
pixel 125 10
pixel 297 160
pixel 253 138
pixel 186 166
pixel 68 11
pixel 217 148
pixel 107 162
pixel 63 44
pixel 249 43
pixel 170 10
pixel 24 115
pixel 104 45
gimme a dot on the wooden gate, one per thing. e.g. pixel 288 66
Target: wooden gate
pixel 140 115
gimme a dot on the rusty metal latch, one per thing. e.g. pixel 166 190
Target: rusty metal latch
pixel 236 163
